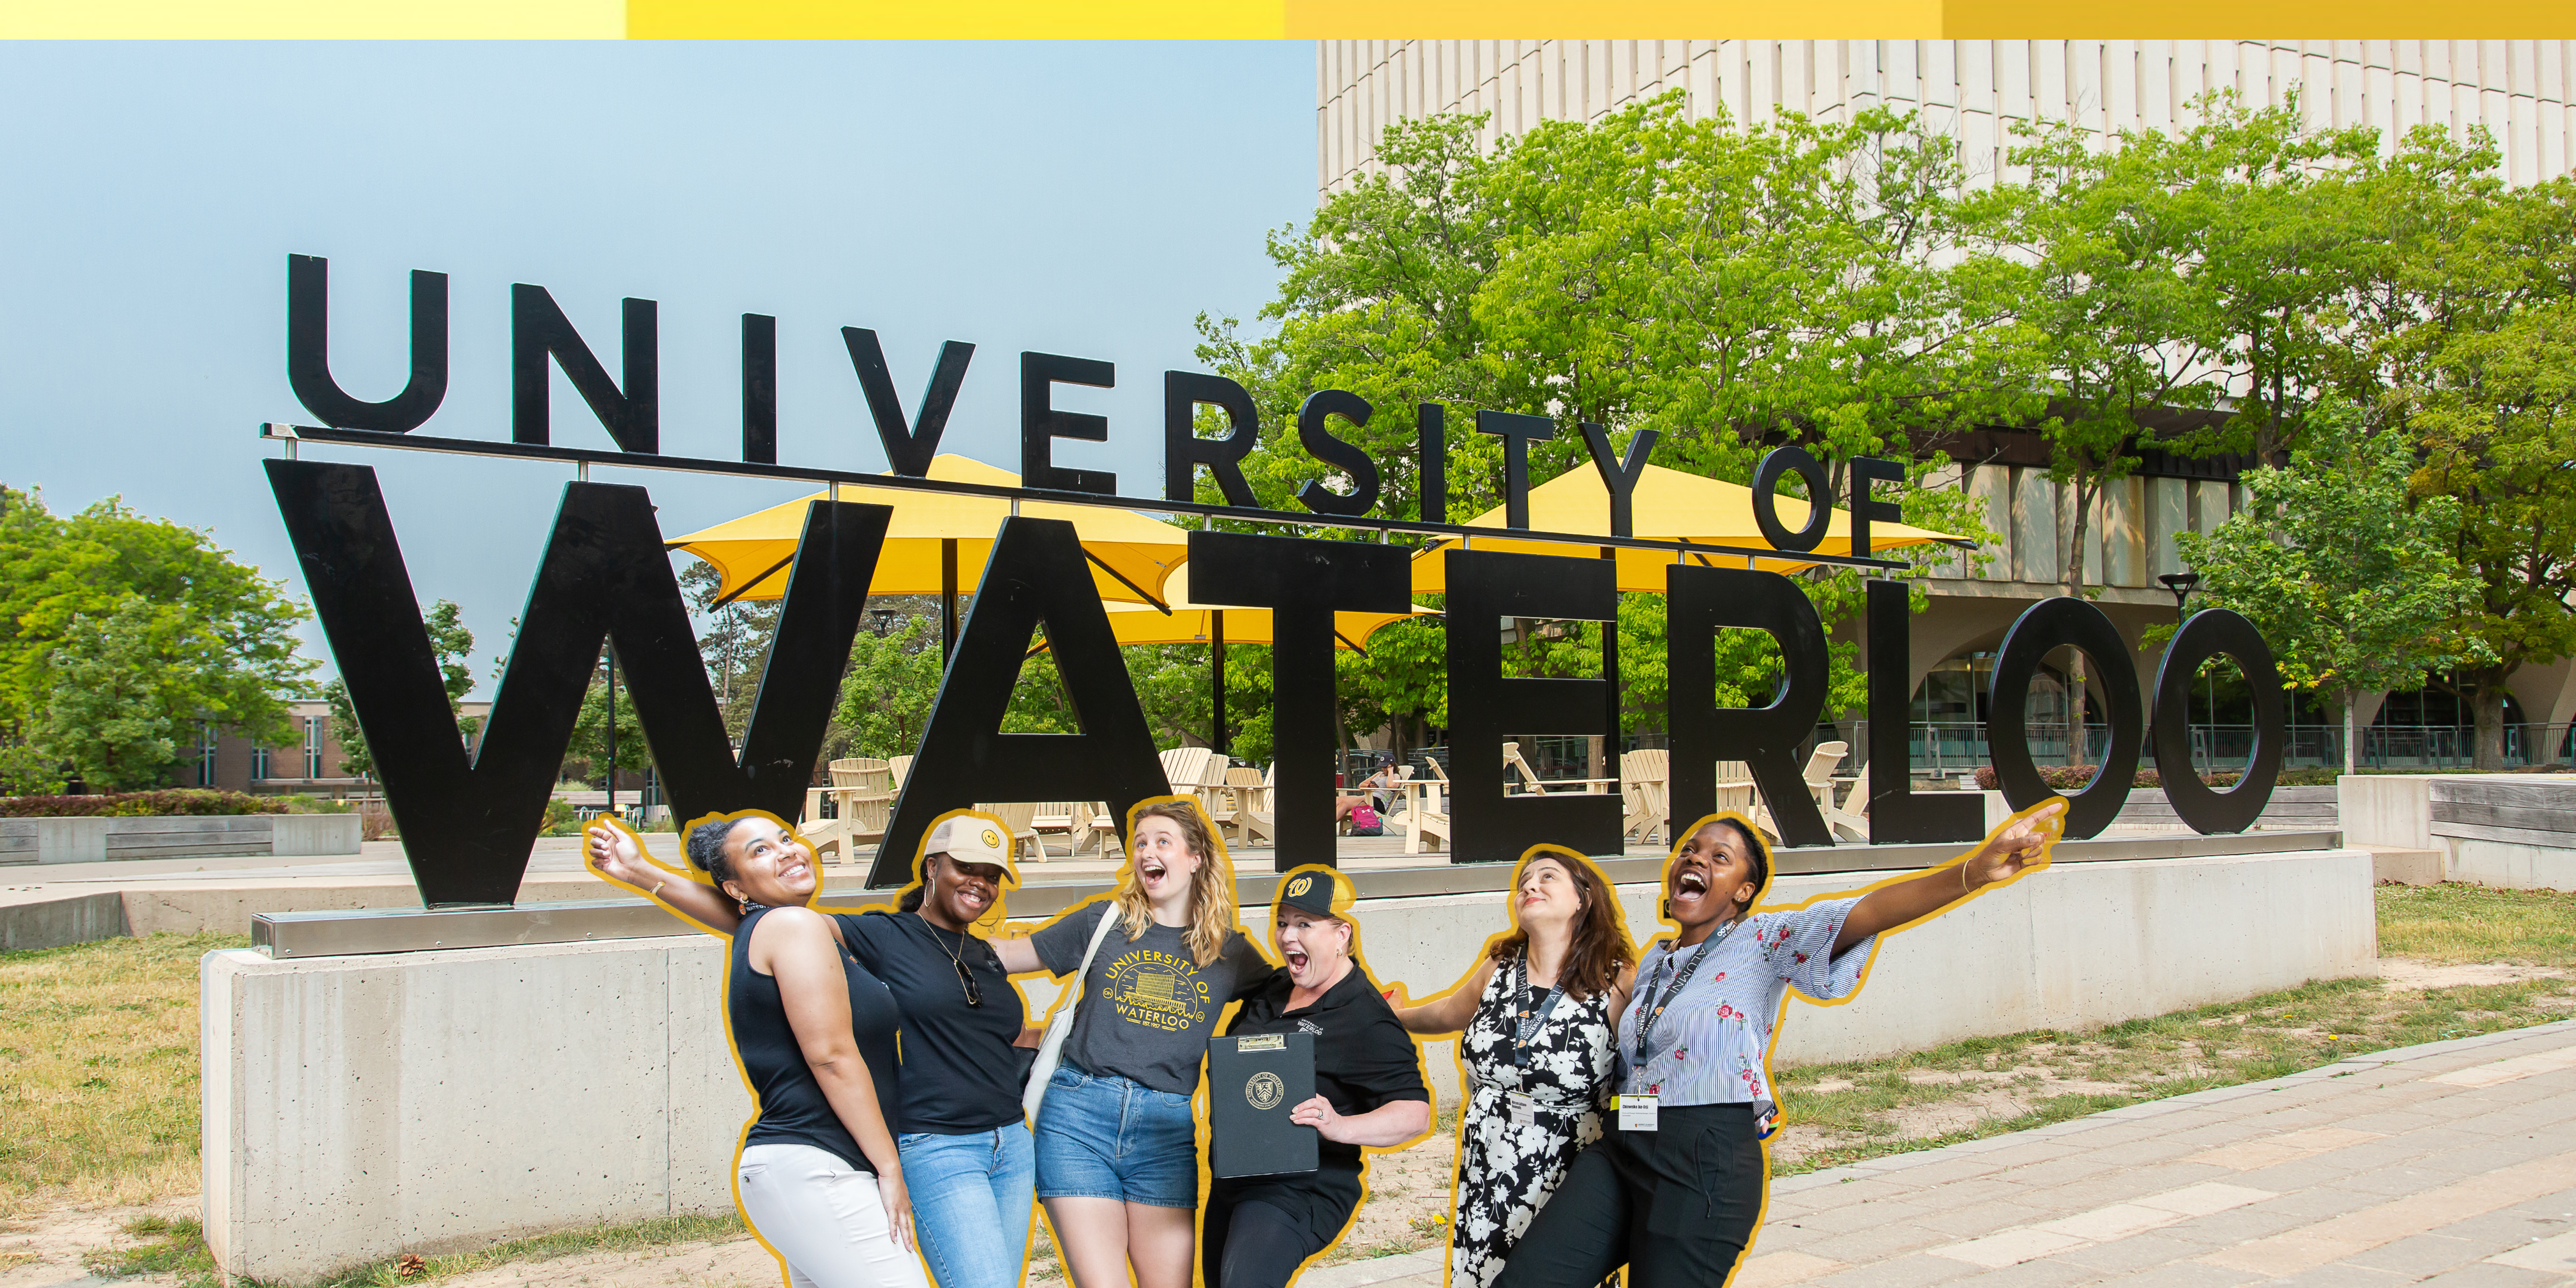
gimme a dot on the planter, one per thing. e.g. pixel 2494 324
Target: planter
pixel 95 840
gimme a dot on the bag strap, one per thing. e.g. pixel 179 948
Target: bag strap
pixel 1099 935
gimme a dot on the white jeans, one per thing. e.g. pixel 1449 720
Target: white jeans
pixel 825 1218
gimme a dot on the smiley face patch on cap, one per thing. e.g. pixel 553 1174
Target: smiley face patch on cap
pixel 992 839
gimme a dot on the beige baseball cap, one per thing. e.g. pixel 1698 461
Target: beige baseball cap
pixel 970 838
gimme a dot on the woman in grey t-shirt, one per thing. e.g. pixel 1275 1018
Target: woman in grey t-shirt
pixel 1117 1143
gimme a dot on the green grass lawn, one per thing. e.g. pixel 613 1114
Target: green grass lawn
pixel 98 1071
pixel 98 1065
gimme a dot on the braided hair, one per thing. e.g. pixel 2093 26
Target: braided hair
pixel 706 847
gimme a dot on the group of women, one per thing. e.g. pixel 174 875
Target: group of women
pixel 1607 1123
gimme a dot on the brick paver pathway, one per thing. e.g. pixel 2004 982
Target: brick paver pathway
pixel 2452 1163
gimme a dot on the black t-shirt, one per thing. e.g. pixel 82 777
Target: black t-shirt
pixel 958 1061
pixel 1148 1005
pixel 793 1108
pixel 1364 1060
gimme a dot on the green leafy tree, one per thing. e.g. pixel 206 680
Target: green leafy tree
pixel 1729 287
pixel 893 681
pixel 2497 422
pixel 2354 585
pixel 120 633
pixel 452 645
pixel 590 732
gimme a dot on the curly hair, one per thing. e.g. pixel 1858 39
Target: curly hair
pixel 1600 947
pixel 1212 910
pixel 706 847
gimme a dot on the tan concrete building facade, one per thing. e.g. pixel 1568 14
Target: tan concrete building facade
pixel 2518 90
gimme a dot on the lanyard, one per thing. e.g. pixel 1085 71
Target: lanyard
pixel 1681 980
pixel 1526 1025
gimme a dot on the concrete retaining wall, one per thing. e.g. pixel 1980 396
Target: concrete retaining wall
pixel 358 1107
pixel 46 919
pixel 96 840
pixel 2509 830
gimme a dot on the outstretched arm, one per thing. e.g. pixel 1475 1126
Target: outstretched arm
pixel 613 853
pixel 2018 847
pixel 1449 1012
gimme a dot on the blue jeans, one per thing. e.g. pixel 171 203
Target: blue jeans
pixel 970 1203
pixel 1101 1136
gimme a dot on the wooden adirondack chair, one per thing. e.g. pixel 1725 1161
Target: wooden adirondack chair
pixel 1058 816
pixel 1850 820
pixel 1819 778
pixel 1645 777
pixel 899 766
pixel 1426 812
pixel 1253 815
pixel 1532 785
pixel 1020 817
pixel 861 795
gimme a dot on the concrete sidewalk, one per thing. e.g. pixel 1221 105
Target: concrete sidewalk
pixel 2452 1163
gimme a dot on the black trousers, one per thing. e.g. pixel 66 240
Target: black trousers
pixel 1676 1206
pixel 1251 1245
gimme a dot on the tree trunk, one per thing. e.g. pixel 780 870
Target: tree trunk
pixel 2351 731
pixel 2489 713
pixel 2079 747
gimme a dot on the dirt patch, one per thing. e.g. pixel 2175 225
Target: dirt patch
pixel 46 1246
pixel 2417 974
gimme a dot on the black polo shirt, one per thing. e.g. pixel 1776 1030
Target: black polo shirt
pixel 1364 1060
pixel 960 1071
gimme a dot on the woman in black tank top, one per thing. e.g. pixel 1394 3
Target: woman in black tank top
pixel 820 1177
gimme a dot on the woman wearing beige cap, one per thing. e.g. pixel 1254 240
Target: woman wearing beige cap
pixel 965 1150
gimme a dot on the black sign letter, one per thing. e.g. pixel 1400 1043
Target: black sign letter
pixel 1184 451
pixel 1486 586
pixel 909 448
pixel 467 823
pixel 2210 632
pixel 1321 444
pixel 1303 583
pixel 2042 629
pixel 539 330
pixel 1041 424
pixel 308 352
pixel 1700 601
pixel 1037 574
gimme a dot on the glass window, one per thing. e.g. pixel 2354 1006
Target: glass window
pixel 312 746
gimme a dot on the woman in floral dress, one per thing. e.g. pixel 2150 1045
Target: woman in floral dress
pixel 1537 1015
pixel 1674 1191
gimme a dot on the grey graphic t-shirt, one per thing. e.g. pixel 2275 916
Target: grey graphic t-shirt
pixel 1148 1008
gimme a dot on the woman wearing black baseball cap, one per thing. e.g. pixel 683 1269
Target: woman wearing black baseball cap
pixel 1370 1094
pixel 965 1150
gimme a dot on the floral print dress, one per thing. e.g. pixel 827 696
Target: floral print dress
pixel 1506 1172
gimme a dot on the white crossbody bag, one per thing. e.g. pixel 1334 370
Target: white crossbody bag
pixel 1051 1047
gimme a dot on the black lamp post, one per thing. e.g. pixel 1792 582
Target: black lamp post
pixel 2181 584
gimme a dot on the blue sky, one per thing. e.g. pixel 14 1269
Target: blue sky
pixel 1072 198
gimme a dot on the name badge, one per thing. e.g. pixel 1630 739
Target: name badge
pixel 1523 1110
pixel 1637 1113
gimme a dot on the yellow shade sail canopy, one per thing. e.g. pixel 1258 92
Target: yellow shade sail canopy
pixel 1668 505
pixel 752 553
pixel 1191 623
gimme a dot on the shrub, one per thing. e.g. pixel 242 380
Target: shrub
pixel 178 800
pixel 561 818
pixel 2068 778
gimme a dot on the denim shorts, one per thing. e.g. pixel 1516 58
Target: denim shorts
pixel 1101 1136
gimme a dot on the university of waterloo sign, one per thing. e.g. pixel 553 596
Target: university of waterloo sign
pixel 468 820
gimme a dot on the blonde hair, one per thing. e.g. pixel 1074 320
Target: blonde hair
pixel 1212 910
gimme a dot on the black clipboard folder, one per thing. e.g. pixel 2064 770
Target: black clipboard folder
pixel 1253 1082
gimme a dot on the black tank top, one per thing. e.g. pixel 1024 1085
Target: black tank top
pixel 793 1110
